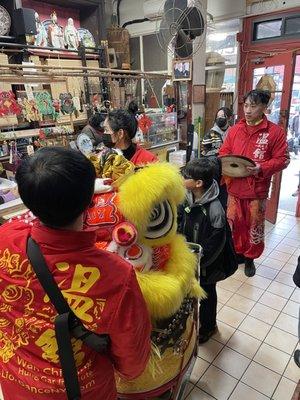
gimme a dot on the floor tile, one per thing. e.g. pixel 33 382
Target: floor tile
pixel 219 306
pixel 292 371
pixel 255 328
pixel 233 363
pixel 281 340
pixel 264 313
pixel 282 230
pixel 259 281
pixel 292 308
pixel 280 289
pixel 244 392
pixel 272 358
pixel 230 284
pixel 291 242
pixel 223 295
pixel 224 332
pixel 285 278
pixel 261 379
pixel 197 394
pixel 209 350
pixel 244 344
pixel 284 248
pixel 294 259
pixel 266 272
pixel 275 264
pixel 240 303
pixel 289 268
pixel 285 390
pixel 251 292
pixel 199 368
pixel 280 256
pixel 231 316
pixel 296 296
pixel 287 323
pixel 239 275
pixel 217 383
pixel 273 301
pixel 188 389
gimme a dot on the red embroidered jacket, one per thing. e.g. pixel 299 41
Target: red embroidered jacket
pixel 266 145
pixel 103 292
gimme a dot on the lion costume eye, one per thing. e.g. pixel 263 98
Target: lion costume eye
pixel 161 221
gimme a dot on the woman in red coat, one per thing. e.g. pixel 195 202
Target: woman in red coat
pixel 120 128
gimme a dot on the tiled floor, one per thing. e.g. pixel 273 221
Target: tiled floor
pixel 250 358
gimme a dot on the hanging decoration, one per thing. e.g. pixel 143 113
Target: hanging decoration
pixel 67 104
pixel 9 104
pixel 44 103
pixel 30 110
pixel 144 123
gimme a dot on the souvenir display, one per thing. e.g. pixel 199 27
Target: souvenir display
pixel 55 33
pixel 86 37
pixel 9 104
pixel 6 184
pixel 71 36
pixel 41 36
pixel 135 213
pixel 144 123
pixel 44 103
pixel 5 21
pixel 236 166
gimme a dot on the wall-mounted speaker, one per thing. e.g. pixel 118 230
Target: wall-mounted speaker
pixel 24 21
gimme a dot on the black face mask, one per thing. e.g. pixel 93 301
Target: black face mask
pixel 107 140
pixel 221 122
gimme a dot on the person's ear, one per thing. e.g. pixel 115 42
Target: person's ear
pixel 121 133
pixel 199 184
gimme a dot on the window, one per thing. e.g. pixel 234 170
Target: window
pixel 292 25
pixel 268 29
pixel 285 26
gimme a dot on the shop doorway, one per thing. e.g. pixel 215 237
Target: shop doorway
pixel 269 60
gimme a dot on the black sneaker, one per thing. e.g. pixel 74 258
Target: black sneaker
pixel 205 336
pixel 297 358
pixel 249 267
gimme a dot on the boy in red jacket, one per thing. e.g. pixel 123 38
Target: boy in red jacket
pixel 57 185
pixel 265 143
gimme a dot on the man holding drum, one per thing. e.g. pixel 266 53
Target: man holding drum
pixel 264 144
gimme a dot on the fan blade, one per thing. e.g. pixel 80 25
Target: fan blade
pixel 183 46
pixel 195 22
pixel 173 10
pixel 164 35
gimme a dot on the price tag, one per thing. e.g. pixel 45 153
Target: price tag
pixel 30 150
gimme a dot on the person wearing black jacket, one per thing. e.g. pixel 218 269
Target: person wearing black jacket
pixel 202 220
pixel 296 279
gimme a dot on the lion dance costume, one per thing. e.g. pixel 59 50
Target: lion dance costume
pixel 135 211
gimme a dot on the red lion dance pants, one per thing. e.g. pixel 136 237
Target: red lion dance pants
pixel 247 220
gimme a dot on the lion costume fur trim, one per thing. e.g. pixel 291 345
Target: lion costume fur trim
pixel 165 290
pixel 146 188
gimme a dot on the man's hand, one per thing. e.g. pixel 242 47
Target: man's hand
pixel 254 170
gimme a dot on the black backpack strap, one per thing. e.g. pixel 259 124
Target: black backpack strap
pixel 63 322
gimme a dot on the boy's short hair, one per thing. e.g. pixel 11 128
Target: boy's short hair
pixel 200 169
pixel 56 184
pixel 258 96
pixel 97 120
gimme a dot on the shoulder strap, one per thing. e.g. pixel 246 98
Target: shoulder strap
pixel 62 321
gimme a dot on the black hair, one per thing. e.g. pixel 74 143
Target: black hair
pixel 122 119
pixel 56 184
pixel 258 96
pixel 133 108
pixel 96 120
pixel 200 169
pixel 227 112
